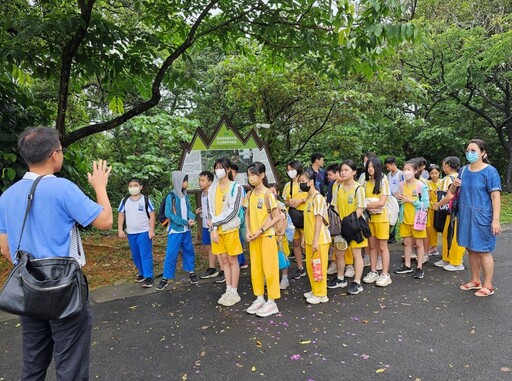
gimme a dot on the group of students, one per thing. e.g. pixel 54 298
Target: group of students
pixel 232 215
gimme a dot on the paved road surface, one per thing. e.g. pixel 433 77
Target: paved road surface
pixel 412 330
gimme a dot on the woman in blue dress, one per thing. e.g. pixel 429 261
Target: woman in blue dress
pixel 478 216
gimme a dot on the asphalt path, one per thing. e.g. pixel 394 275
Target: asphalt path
pixel 411 330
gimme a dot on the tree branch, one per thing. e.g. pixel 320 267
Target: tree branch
pixel 317 130
pixel 68 54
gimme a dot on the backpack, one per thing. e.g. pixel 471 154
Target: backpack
pixel 392 209
pixel 161 218
pixel 334 221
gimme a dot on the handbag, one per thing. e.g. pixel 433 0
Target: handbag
pixel 297 216
pixel 43 288
pixel 284 262
pixel 420 219
pixel 316 264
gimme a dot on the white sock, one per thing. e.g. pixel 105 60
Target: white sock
pixel 234 290
pixel 284 277
pixel 260 299
pixel 272 301
pixel 342 278
pixel 228 289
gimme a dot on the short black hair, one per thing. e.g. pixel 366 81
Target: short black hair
pixel 332 168
pixel 135 180
pixel 36 144
pixel 390 160
pixel 316 156
pixel 234 167
pixel 207 174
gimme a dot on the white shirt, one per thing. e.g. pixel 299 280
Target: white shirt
pixel 394 180
pixel 136 218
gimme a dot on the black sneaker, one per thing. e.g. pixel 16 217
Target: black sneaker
pixel 209 273
pixel 162 285
pixel 337 283
pixel 148 283
pixel 354 288
pixel 139 279
pixel 391 241
pixel 419 273
pixel 403 270
pixel 193 278
pixel 220 278
pixel 299 273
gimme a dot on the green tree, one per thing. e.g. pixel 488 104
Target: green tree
pixel 100 53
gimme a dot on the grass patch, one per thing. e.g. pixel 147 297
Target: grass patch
pixel 506 208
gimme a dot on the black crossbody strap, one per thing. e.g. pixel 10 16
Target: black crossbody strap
pixel 30 198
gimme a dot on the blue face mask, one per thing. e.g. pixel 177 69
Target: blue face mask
pixel 472 157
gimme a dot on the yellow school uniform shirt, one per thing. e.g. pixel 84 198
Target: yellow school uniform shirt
pixel 316 206
pixel 433 187
pixel 448 180
pixel 384 190
pixel 260 205
pixel 411 191
pixel 335 187
pixel 348 200
pixel 296 193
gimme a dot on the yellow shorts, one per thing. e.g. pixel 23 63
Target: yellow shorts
pixel 355 245
pixel 380 230
pixel 408 231
pixel 298 234
pixel 229 243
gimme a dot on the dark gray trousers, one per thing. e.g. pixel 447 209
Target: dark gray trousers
pixel 68 341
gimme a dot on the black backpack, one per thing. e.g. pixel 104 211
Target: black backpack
pixel 161 218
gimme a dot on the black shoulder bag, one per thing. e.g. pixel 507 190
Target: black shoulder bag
pixel 47 288
pixel 297 216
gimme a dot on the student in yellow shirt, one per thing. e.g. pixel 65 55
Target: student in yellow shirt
pixel 224 203
pixel 413 195
pixel 262 214
pixel 350 198
pixel 452 259
pixel 316 237
pixel 294 198
pixel 434 185
pixel 377 192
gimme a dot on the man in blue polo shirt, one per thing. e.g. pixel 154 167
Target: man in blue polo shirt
pixel 58 204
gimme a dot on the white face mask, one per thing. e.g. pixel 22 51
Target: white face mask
pixel 292 174
pixel 408 175
pixel 134 191
pixel 220 173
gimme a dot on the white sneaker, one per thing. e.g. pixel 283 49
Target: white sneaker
pixel 454 268
pixel 441 263
pixel 284 284
pixel 255 306
pixel 366 261
pixel 332 269
pixel 269 308
pixel 317 299
pixel 425 258
pixel 223 298
pixel 379 263
pixel 414 255
pixel 383 280
pixel 308 294
pixel 349 271
pixel 371 277
pixel 232 299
